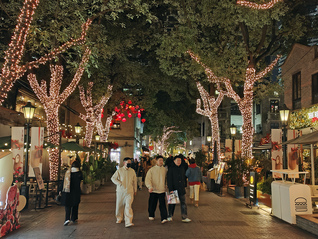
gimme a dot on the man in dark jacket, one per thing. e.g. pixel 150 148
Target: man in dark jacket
pixel 176 181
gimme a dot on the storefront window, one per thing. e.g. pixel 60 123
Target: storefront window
pixel 274 106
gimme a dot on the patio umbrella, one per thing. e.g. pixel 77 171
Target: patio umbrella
pixel 215 155
pixel 72 146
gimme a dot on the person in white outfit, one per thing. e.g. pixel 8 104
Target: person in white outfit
pixel 126 181
pixel 156 183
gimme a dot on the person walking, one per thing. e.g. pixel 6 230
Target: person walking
pixel 176 181
pixel 126 182
pixel 156 183
pixel 71 192
pixel 194 176
pixel 139 174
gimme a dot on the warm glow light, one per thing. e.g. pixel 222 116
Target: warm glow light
pixel 263 6
pixel 245 103
pixel 52 101
pixel 161 145
pixel 93 113
pixel 11 69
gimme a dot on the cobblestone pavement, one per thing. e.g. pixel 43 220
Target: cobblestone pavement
pixel 216 217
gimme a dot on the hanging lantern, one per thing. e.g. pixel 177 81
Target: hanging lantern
pixel 129 102
pixel 143 120
pixel 124 120
pixel 138 115
pixel 129 115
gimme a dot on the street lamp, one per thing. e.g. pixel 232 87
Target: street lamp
pixel 28 111
pixel 78 130
pixel 97 138
pixel 233 133
pixel 209 139
pixel 284 113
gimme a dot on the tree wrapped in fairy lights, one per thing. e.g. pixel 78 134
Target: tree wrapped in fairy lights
pixel 210 110
pixel 263 6
pixel 102 130
pixel 161 145
pixel 52 101
pixel 12 69
pixel 245 103
pixel 93 113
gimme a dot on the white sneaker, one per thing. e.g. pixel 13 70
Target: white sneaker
pixel 164 221
pixel 129 225
pixel 169 219
pixel 186 220
pixel 66 222
pixel 151 218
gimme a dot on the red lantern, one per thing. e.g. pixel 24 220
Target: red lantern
pixel 129 115
pixel 124 120
pixel 122 103
pixel 129 102
pixel 139 115
pixel 143 120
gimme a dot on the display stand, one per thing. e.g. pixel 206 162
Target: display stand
pixel 290 198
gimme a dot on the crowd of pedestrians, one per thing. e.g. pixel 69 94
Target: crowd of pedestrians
pixel 159 177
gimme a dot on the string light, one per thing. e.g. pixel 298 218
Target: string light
pixel 210 110
pixel 104 131
pixel 161 145
pixel 93 113
pixel 263 6
pixel 51 103
pixel 11 69
pixel 245 103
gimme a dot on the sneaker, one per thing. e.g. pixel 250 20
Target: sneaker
pixel 164 221
pixel 169 219
pixel 66 222
pixel 129 225
pixel 186 220
pixel 151 218
pixel 118 221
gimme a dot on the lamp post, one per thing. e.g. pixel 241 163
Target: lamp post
pixel 209 139
pixel 97 138
pixel 78 130
pixel 284 113
pixel 233 133
pixel 28 111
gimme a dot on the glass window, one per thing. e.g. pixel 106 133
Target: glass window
pixel 297 91
pixel 274 106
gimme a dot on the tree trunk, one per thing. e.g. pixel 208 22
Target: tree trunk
pixel 89 133
pixel 215 133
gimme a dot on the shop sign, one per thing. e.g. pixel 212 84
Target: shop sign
pixel 253 188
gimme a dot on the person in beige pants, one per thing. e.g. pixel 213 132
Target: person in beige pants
pixel 126 181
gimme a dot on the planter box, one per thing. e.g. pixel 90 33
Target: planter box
pixel 86 188
pixel 264 198
pixel 237 192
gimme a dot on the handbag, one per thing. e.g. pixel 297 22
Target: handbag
pixel 173 198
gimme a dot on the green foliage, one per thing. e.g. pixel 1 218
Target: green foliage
pixel 237 168
pixel 200 158
pixel 265 185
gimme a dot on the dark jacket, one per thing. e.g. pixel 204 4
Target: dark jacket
pixel 73 198
pixel 176 179
pixel 139 171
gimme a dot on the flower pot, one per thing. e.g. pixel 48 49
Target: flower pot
pixel 86 188
pixel 239 192
pixel 97 184
pixel 93 186
pixel 102 181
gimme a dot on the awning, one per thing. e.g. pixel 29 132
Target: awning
pixel 311 138
pixel 263 147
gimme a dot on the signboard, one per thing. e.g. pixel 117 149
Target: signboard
pixel 6 175
pixel 253 188
pixel 293 152
pixel 277 152
pixel 17 148
pixel 38 177
pixel 221 169
pixel 36 149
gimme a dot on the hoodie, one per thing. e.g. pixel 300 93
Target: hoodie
pixel 194 174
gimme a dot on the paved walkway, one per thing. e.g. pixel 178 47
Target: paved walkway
pixel 216 217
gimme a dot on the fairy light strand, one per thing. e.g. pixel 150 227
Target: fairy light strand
pixel 245 103
pixel 51 103
pixel 161 145
pixel 210 110
pixel 11 69
pixel 263 6
pixel 103 131
pixel 93 113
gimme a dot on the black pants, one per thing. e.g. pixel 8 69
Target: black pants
pixel 71 210
pixel 152 205
pixel 183 206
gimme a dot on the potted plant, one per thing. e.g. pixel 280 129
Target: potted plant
pixel 235 172
pixel 264 191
